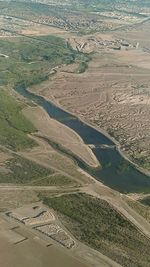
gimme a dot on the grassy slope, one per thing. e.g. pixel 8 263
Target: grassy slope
pixel 55 180
pixel 23 171
pixel 97 224
pixel 14 127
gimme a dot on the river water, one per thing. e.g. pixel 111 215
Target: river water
pixel 116 172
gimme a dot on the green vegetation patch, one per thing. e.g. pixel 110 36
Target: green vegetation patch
pixel 14 127
pixel 54 180
pixel 97 224
pixel 23 171
pixel 29 60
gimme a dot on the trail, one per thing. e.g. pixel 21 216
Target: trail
pixel 40 188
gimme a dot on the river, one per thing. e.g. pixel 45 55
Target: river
pixel 116 172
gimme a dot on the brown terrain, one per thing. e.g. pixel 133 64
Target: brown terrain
pixel 23 248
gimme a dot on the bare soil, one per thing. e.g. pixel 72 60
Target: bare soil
pixel 31 252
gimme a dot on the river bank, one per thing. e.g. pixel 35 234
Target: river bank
pixel 116 172
pixel 100 130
